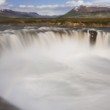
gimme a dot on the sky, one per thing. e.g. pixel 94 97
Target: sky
pixel 48 7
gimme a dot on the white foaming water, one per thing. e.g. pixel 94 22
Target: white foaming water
pixel 59 69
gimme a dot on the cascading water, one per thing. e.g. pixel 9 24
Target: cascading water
pixel 55 68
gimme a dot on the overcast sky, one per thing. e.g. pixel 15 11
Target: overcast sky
pixel 48 7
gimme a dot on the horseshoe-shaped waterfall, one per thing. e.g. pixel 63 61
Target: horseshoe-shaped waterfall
pixel 55 68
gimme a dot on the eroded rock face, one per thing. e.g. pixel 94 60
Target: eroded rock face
pixel 4 105
pixel 93 37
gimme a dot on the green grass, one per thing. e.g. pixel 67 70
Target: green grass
pixel 57 21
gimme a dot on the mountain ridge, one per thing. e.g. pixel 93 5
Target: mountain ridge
pixel 7 13
pixel 88 12
pixel 13 14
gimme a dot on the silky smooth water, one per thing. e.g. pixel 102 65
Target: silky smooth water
pixel 55 68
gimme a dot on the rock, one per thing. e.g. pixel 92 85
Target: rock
pixel 4 105
pixel 93 36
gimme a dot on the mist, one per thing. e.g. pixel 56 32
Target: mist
pixel 55 68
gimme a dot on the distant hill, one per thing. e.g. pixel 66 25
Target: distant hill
pixel 6 13
pixel 16 14
pixel 88 12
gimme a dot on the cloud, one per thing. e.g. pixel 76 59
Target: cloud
pixel 73 3
pixel 2 2
pixel 53 10
pixel 102 2
pixel 56 9
pixel 44 9
pixel 26 6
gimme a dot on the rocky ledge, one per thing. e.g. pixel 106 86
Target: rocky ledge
pixel 4 105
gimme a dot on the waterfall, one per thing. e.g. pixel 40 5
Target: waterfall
pixel 24 37
pixel 55 68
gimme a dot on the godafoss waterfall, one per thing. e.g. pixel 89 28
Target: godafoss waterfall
pixel 55 68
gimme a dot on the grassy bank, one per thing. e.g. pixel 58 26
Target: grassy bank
pixel 67 22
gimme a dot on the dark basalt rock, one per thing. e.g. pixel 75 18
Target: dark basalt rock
pixel 93 36
pixel 4 105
